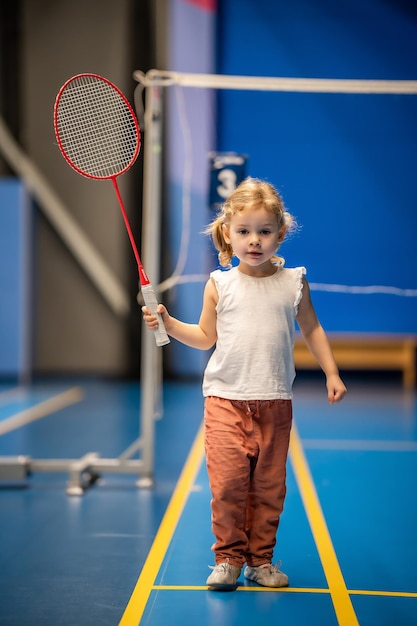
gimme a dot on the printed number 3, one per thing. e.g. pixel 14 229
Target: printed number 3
pixel 227 178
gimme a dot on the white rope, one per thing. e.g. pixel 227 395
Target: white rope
pixel 186 192
pixel 333 288
pixel 365 290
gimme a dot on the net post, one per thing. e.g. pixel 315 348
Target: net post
pixel 151 364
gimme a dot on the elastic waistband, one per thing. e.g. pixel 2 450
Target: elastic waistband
pixel 253 407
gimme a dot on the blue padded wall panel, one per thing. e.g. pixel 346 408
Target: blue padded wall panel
pixel 14 279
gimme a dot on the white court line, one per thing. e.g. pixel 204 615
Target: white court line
pixel 52 405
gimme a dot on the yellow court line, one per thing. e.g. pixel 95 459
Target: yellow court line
pixel 356 592
pixel 388 594
pixel 340 596
pixel 140 595
pixel 255 589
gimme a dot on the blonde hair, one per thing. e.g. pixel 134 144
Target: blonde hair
pixel 254 193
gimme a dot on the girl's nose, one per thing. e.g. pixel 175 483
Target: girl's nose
pixel 255 241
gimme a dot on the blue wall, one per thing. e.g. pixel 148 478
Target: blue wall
pixel 14 279
pixel 345 164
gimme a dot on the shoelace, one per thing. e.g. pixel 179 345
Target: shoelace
pixel 272 568
pixel 224 566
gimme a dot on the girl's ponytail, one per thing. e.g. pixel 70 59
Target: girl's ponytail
pixel 224 249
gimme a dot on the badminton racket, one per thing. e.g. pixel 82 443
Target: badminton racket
pixel 99 137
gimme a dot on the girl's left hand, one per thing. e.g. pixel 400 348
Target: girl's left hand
pixel 336 389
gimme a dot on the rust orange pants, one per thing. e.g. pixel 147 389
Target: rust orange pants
pixel 246 447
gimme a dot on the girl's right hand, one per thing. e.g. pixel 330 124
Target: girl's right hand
pixel 150 319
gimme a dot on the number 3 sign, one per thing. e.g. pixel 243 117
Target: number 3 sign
pixel 227 170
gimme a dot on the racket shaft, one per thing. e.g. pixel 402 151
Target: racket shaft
pixel 150 300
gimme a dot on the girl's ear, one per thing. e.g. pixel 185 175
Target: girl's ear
pixel 226 234
pixel 281 234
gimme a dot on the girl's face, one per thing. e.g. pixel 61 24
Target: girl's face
pixel 254 236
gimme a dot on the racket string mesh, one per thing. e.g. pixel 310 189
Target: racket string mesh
pixel 96 128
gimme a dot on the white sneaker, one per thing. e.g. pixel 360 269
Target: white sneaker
pixel 223 576
pixel 267 575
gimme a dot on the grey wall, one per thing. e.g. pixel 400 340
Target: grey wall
pixel 73 328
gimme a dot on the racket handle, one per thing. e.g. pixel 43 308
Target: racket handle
pixel 150 300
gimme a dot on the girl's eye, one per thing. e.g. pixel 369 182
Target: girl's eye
pixel 265 232
pixel 242 231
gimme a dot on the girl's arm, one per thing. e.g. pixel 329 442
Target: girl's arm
pixel 202 335
pixel 318 344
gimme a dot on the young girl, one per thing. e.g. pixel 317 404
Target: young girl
pixel 248 313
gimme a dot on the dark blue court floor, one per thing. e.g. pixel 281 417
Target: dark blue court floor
pixel 347 538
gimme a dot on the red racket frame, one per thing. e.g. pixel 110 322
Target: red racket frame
pixel 143 278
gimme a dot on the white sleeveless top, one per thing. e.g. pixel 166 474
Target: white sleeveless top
pixel 253 358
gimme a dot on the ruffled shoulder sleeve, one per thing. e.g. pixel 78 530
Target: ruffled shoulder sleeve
pixel 299 273
pixel 220 277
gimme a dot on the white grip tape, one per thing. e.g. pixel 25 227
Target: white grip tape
pixel 150 300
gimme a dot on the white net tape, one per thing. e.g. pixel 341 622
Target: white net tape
pixel 266 83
